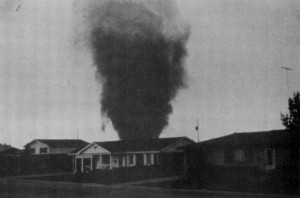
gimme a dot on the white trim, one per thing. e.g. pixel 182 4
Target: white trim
pixel 84 148
pixel 124 153
pixel 136 152
pixel 151 159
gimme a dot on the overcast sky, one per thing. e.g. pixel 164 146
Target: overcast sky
pixel 234 78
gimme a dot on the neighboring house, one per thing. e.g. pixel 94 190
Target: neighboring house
pixel 127 153
pixel 9 151
pixel 54 146
pixel 265 150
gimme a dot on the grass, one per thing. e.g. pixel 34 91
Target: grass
pixel 114 176
pixel 252 181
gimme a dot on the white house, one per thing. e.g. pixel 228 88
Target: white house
pixel 126 153
pixel 54 146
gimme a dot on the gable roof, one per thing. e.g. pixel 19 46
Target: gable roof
pixel 137 145
pixel 250 139
pixel 61 143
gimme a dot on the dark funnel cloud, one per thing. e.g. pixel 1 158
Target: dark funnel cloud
pixel 139 59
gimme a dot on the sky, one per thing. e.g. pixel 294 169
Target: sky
pixel 234 76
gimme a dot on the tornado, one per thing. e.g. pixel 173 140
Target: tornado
pixel 139 54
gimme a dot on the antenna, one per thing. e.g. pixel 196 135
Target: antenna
pixel 77 134
pixel 9 138
pixel 287 79
pixel 197 129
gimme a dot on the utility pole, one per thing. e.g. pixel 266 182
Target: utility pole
pixel 287 79
pixel 197 129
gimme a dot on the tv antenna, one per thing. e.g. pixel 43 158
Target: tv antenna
pixel 287 79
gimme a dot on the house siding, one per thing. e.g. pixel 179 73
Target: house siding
pixel 179 143
pixel 216 157
pixel 282 157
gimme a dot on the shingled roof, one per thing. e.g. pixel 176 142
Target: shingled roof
pixel 263 138
pixel 151 144
pixel 61 143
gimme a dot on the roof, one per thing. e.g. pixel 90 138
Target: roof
pixel 2 148
pixel 151 144
pixel 251 139
pixel 61 143
pixel 9 150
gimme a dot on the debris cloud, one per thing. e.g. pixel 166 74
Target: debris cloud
pixel 138 48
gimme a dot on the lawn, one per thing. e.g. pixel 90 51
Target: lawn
pixel 238 181
pixel 114 176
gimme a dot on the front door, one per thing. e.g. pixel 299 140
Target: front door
pixel 78 165
pixel 87 164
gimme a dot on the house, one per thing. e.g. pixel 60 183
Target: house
pixel 9 160
pixel 54 146
pixel 129 153
pixel 266 150
pixel 49 155
pixel 9 151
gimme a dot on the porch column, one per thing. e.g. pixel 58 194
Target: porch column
pixel 91 167
pixel 110 161
pixel 145 159
pixel 82 163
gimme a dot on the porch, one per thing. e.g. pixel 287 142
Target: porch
pixel 90 162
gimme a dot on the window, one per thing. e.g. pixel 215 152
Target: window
pixel 249 155
pixel 228 155
pixel 87 162
pixel 105 159
pixel 131 159
pixel 239 155
pixel 43 150
pixel 156 159
pixel 270 157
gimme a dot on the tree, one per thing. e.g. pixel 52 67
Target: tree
pixel 291 120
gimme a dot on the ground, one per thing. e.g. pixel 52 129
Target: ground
pixel 16 188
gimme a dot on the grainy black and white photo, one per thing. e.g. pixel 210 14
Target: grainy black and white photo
pixel 149 98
